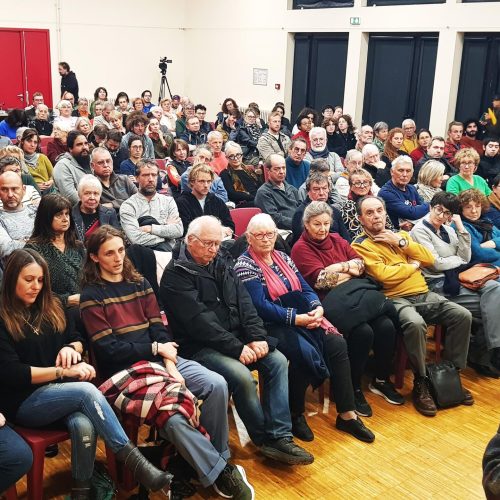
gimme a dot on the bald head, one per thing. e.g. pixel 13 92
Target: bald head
pixel 11 191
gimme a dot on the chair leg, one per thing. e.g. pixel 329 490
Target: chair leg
pixel 35 475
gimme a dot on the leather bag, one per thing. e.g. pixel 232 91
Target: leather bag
pixel 476 276
pixel 445 385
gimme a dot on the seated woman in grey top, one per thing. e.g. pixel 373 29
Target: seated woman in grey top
pixel 451 246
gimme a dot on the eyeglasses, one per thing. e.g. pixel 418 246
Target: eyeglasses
pixel 268 236
pixel 361 184
pixel 139 146
pixel 237 156
pixel 208 244
pixel 440 211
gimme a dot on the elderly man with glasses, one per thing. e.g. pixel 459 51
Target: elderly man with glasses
pixel 214 321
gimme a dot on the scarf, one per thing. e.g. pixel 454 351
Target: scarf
pixel 237 184
pixel 253 131
pixel 355 197
pixel 154 136
pixel 32 159
pixel 275 285
pixel 319 154
pixel 484 226
pixel 427 192
pixel 494 200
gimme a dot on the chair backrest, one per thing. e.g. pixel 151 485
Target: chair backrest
pixel 241 217
pixel 44 140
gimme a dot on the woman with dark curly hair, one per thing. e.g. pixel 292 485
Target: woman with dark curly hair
pixel 392 149
pixel 229 104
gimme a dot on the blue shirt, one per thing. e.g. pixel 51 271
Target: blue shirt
pixel 296 175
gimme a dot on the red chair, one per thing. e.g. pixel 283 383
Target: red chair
pixel 11 493
pixel 241 217
pixel 38 440
pixel 45 140
pixel 402 356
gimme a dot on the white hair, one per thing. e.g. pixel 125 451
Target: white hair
pixel 320 131
pixel 260 220
pixel 196 226
pixel 88 180
pixel 213 134
pixel 64 103
pixel 369 149
pixel 351 154
pixel 408 121
pixel 232 145
pixel 401 159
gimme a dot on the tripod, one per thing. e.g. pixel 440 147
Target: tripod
pixel 164 81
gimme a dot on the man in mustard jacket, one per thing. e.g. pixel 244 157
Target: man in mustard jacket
pixel 394 260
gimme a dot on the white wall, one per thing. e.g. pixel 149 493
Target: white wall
pixel 215 45
pixel 116 44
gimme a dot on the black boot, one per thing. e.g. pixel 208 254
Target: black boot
pixel 80 490
pixel 144 471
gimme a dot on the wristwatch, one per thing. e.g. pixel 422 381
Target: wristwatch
pixel 402 243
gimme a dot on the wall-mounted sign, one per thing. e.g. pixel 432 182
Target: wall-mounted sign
pixel 260 76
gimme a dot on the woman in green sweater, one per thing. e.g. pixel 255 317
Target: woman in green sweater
pixel 467 161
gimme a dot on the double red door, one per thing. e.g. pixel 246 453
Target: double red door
pixel 26 59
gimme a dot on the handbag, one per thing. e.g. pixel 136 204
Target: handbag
pixel 477 275
pixel 445 385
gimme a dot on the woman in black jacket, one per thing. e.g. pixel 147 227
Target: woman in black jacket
pixel 344 136
pixel 241 182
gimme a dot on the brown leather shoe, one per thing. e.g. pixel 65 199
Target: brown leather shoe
pixel 468 398
pixel 422 399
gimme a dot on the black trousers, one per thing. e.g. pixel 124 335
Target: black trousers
pixel 340 378
pixel 379 335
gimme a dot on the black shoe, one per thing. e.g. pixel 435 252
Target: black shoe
pixel 356 428
pixel 286 451
pixel 51 451
pixel 362 408
pixel 386 389
pixel 484 370
pixel 495 358
pixel 468 397
pixel 300 429
pixel 232 483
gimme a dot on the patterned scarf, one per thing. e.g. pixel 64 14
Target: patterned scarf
pixel 237 184
pixel 32 159
pixel 275 285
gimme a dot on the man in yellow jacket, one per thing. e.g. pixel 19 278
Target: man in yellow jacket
pixel 394 260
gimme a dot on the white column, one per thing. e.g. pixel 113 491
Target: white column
pixel 357 55
pixel 446 79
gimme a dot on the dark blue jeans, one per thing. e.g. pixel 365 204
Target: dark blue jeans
pixel 15 457
pixel 266 421
pixel 85 412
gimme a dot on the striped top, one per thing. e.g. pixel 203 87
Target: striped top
pixel 122 321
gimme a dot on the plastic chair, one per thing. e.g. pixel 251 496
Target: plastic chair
pixel 402 356
pixel 38 440
pixel 11 493
pixel 241 217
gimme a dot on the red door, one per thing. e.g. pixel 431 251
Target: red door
pixel 27 57
pixel 12 89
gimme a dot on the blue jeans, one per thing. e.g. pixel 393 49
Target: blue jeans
pixel 85 412
pixel 266 421
pixel 210 388
pixel 15 457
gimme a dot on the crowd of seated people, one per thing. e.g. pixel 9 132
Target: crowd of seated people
pixel 376 220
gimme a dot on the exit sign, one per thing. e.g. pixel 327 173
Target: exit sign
pixel 355 21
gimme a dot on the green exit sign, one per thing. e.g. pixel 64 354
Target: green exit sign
pixel 355 21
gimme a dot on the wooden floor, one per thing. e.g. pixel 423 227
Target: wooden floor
pixel 412 457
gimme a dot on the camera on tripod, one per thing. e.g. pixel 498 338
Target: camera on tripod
pixel 163 64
